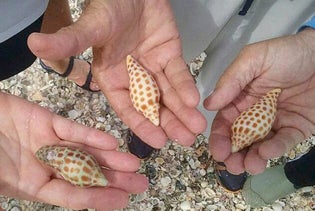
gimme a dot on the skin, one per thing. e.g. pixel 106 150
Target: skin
pixel 28 127
pixel 147 31
pixel 287 63
pixel 58 15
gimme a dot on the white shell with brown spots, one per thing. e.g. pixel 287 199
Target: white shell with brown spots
pixel 74 165
pixel 144 92
pixel 255 123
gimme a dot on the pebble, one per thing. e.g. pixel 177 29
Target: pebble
pixel 171 152
pixel 107 127
pixel 212 207
pixel 307 189
pixel 174 173
pixel 166 181
pixel 37 96
pixel 159 160
pixel 150 172
pixel 216 199
pixel 15 209
pixel 210 169
pixel 202 56
pixel 204 184
pixel 73 114
pixel 155 201
pixel 115 133
pixel 240 206
pixel 267 209
pixel 277 206
pixel 121 142
pixel 100 119
pixel 180 186
pixel 202 172
pixel 185 205
pixel 141 196
pixel 210 192
pixel 192 163
pixel 193 67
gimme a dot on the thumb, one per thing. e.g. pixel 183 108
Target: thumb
pixel 231 83
pixel 91 29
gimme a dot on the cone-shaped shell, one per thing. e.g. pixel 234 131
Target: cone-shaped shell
pixel 144 92
pixel 74 165
pixel 255 123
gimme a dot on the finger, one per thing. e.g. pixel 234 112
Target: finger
pixel 129 182
pixel 145 130
pixel 235 163
pixel 66 195
pixel 175 129
pixel 181 80
pixel 254 164
pixel 220 136
pixel 119 161
pixel 283 141
pixel 190 117
pixel 73 39
pixel 219 146
pixel 69 130
pixel 232 82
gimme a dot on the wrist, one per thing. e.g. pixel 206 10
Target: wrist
pixel 307 36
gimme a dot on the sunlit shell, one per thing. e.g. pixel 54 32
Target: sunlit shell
pixel 144 92
pixel 255 123
pixel 74 165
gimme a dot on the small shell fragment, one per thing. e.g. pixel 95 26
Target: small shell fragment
pixel 255 123
pixel 144 92
pixel 74 165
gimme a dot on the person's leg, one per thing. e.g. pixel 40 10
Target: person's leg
pixel 56 17
pixel 301 171
pixel 279 181
pixel 15 56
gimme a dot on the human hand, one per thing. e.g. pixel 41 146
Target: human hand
pixel 25 127
pixel 146 30
pixel 287 63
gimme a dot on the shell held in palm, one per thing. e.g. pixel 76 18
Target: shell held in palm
pixel 74 165
pixel 256 122
pixel 144 92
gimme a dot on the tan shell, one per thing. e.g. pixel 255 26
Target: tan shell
pixel 255 123
pixel 74 165
pixel 144 92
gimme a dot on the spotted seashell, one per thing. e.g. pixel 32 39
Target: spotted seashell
pixel 74 165
pixel 144 92
pixel 255 123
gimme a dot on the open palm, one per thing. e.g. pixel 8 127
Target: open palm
pixel 147 30
pixel 286 63
pixel 26 127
